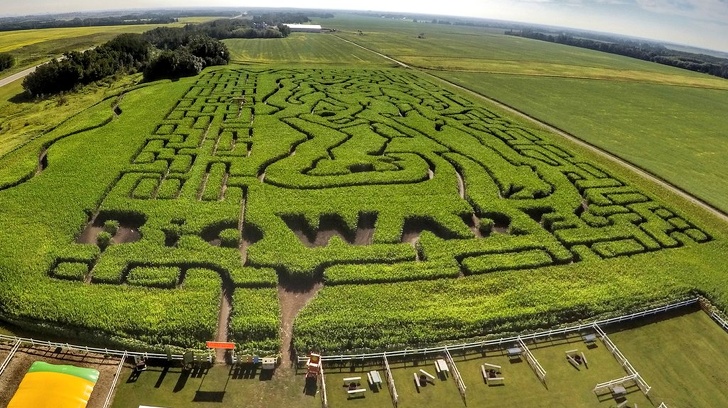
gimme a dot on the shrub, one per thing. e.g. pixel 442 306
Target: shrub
pixel 103 240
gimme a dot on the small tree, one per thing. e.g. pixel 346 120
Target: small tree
pixel 6 61
pixel 103 240
pixel 111 226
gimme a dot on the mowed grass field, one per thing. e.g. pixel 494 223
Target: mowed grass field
pixel 303 49
pixel 663 119
pixel 678 354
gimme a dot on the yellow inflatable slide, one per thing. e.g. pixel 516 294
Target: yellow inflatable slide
pixel 55 386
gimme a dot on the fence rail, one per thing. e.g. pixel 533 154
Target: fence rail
pixel 456 373
pixel 510 340
pixel 390 382
pixel 110 395
pixel 610 383
pixel 9 357
pixel 535 365
pixel 23 341
pixel 622 359
pixel 324 396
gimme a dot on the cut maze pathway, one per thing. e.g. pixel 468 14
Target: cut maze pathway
pixel 574 139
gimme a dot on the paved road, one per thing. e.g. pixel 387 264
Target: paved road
pixel 15 77
pixel 638 170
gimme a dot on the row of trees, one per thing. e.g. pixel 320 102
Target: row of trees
pixel 6 61
pixel 127 53
pixel 641 50
pixel 13 24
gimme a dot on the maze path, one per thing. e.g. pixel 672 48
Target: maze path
pixel 352 167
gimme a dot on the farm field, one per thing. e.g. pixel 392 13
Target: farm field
pixel 306 49
pixel 31 47
pixel 663 119
pixel 672 131
pixel 310 200
pixel 215 174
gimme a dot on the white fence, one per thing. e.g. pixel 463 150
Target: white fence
pixel 97 350
pixel 508 340
pixel 622 360
pixel 456 373
pixel 611 383
pixel 535 365
pixel 110 395
pixel 324 396
pixel 390 383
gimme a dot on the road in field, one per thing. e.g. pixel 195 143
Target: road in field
pixel 19 75
pixel 603 153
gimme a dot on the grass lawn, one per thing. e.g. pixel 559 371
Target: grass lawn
pixel 565 385
pixel 682 357
pixel 216 387
pixel 303 48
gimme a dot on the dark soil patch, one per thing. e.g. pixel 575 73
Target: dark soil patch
pixel 414 226
pixel 42 161
pixel 212 234
pixel 223 320
pixel 331 225
pixel 292 297
pixel 127 232
pixel 25 357
pixel 473 223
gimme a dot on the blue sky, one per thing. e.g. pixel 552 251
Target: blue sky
pixel 702 23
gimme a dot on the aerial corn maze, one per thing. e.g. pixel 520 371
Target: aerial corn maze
pixel 428 217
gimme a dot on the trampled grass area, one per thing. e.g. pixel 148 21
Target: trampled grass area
pixel 302 49
pixel 682 356
pixel 214 387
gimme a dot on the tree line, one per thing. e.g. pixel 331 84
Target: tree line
pixel 13 24
pixel 164 52
pixel 127 53
pixel 636 49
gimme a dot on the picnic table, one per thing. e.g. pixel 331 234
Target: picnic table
pixel 514 351
pixel 618 390
pixel 441 365
pixel 374 377
pixel 590 338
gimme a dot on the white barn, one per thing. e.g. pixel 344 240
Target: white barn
pixel 304 28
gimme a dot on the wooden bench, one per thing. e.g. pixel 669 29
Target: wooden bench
pixel 351 379
pixel 496 381
pixel 356 391
pixel 430 376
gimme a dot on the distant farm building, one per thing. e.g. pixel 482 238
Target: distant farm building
pixel 304 28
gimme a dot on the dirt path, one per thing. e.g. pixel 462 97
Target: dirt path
pixel 292 297
pixel 223 321
pixel 603 153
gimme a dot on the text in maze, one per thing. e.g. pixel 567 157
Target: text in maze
pixel 399 170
